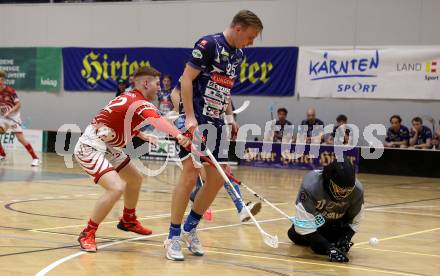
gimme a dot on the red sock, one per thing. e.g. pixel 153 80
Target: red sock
pixel 91 226
pixel 2 151
pixel 31 151
pixel 129 214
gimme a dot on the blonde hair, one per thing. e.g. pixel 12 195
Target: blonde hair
pixel 246 18
pixel 146 71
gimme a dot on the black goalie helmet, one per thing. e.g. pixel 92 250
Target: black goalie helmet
pixel 339 178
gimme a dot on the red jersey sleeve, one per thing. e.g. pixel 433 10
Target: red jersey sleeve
pixel 13 94
pixel 152 115
pixel 148 112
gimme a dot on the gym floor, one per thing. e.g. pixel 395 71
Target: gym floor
pixel 45 208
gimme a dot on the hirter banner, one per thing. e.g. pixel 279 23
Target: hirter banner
pixel 268 71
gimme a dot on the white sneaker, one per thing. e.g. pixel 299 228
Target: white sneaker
pixel 173 248
pixel 2 158
pixel 253 207
pixel 35 162
pixel 193 243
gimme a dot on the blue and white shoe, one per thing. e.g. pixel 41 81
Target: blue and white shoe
pixel 173 249
pixel 253 207
pixel 193 242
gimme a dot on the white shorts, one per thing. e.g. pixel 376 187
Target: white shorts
pixel 95 157
pixel 12 123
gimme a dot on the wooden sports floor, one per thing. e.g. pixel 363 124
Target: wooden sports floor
pixel 44 209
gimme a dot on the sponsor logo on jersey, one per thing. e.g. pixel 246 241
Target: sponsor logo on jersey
pixel 225 55
pixel 202 43
pixel 222 80
pixel 197 54
pixel 302 197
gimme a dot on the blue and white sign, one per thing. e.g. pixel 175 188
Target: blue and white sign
pixel 369 72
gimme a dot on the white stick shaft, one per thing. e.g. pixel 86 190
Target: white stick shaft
pixel 266 201
pixel 228 181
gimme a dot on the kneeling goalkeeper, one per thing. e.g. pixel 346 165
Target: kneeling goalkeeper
pixel 335 194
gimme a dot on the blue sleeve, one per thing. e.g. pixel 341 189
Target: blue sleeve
pixel 388 138
pixel 406 134
pixel 203 53
pixel 428 133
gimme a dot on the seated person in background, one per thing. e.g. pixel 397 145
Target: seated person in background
pixel 420 135
pixel 122 85
pixel 314 137
pixel 342 128
pixel 335 194
pixel 130 83
pixel 164 97
pixel 397 134
pixel 436 140
pixel 279 126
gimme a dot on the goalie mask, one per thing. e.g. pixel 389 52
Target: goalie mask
pixel 339 179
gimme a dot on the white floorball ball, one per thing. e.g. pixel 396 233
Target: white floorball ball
pixel 373 241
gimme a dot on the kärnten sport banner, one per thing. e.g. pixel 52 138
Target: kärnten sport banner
pixel 370 72
pixel 266 71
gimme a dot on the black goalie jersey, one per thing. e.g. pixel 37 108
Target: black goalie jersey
pixel 313 199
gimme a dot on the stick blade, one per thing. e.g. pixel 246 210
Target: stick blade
pixel 270 240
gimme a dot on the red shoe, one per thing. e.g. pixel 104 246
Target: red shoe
pixel 87 241
pixel 134 226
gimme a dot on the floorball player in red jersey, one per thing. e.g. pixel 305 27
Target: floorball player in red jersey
pixel 10 118
pixel 99 152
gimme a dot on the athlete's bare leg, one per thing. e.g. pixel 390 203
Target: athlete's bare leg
pixel 208 192
pixel 133 178
pixel 114 187
pixel 183 190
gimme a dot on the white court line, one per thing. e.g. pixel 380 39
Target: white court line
pixel 72 256
pixel 404 207
pixel 405 213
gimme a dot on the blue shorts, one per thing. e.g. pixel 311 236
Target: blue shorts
pixel 216 142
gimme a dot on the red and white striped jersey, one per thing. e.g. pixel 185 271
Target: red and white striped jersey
pixel 8 98
pixel 120 120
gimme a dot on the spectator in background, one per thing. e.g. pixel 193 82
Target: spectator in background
pixel 436 140
pixel 122 85
pixel 420 135
pixel 342 128
pixel 311 122
pixel 280 124
pixel 130 82
pixel 397 134
pixel 164 97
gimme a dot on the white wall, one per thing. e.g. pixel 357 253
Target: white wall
pixel 180 23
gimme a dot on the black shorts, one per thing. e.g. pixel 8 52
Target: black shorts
pixel 332 231
pixel 217 142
